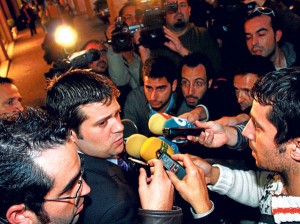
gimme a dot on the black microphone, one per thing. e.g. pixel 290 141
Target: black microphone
pixel 171 133
pixel 130 128
pixel 82 58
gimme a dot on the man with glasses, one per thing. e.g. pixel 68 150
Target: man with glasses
pixel 40 171
pixel 196 85
pixel 263 37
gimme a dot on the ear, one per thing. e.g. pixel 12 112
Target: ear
pixel 209 83
pixel 174 85
pixel 73 136
pixel 278 35
pixel 295 151
pixel 17 214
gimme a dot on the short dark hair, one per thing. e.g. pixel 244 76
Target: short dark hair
pixel 280 89
pixel 75 88
pixel 92 41
pixel 159 67
pixel 274 20
pixel 22 140
pixel 255 64
pixel 6 80
pixel 195 59
pixel 121 11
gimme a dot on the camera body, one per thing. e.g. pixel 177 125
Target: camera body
pixel 152 34
pixel 121 39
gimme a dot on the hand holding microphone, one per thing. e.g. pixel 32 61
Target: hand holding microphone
pixel 140 146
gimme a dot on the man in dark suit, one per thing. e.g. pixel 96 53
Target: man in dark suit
pixel 87 102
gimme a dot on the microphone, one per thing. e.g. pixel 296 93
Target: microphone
pixel 130 128
pixel 171 133
pixel 151 146
pixel 82 58
pixel 134 144
pixel 156 122
pixel 176 122
pixel 170 143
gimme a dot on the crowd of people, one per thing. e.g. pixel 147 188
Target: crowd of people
pixel 66 162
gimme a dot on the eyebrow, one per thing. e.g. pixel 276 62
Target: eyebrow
pixel 71 183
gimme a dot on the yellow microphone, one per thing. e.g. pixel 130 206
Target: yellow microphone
pixel 151 146
pixel 134 144
pixel 156 122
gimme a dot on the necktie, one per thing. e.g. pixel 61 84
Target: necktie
pixel 123 164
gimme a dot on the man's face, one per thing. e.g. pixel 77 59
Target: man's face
pixel 260 36
pixel 129 15
pixel 194 84
pixel 101 133
pixel 63 165
pixel 101 65
pixel 10 100
pixel 243 84
pixel 158 92
pixel 179 20
pixel 261 134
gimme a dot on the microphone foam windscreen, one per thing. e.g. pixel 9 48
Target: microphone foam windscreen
pixel 156 122
pixel 176 122
pixel 134 144
pixel 151 146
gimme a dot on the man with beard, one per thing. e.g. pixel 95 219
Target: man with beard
pixel 157 95
pixel 197 80
pixel 263 37
pixel 101 65
pixel 274 137
pixel 183 38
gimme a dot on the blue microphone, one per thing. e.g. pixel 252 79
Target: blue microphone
pixel 170 143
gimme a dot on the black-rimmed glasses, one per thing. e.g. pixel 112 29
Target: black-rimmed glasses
pixel 198 84
pixel 262 10
pixel 77 195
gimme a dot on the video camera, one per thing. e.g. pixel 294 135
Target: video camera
pixel 76 60
pixel 152 34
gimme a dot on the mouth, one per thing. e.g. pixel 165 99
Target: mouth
pixel 80 208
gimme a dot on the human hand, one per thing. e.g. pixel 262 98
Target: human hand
pixel 109 30
pixel 192 187
pixel 194 115
pixel 174 43
pixel 214 136
pixel 156 192
pixel 234 120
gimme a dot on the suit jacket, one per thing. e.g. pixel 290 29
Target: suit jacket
pixel 112 199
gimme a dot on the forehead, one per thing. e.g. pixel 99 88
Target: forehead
pixel 148 81
pixel 8 90
pixel 61 162
pixel 260 113
pixel 258 22
pixel 98 110
pixel 129 10
pixel 97 46
pixel 245 78
pixel 198 72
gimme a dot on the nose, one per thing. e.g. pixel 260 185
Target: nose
pixel 254 40
pixel 18 107
pixel 191 89
pixel 240 97
pixel 118 126
pixel 153 95
pixel 249 130
pixel 85 188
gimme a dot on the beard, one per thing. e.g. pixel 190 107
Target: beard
pixel 179 24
